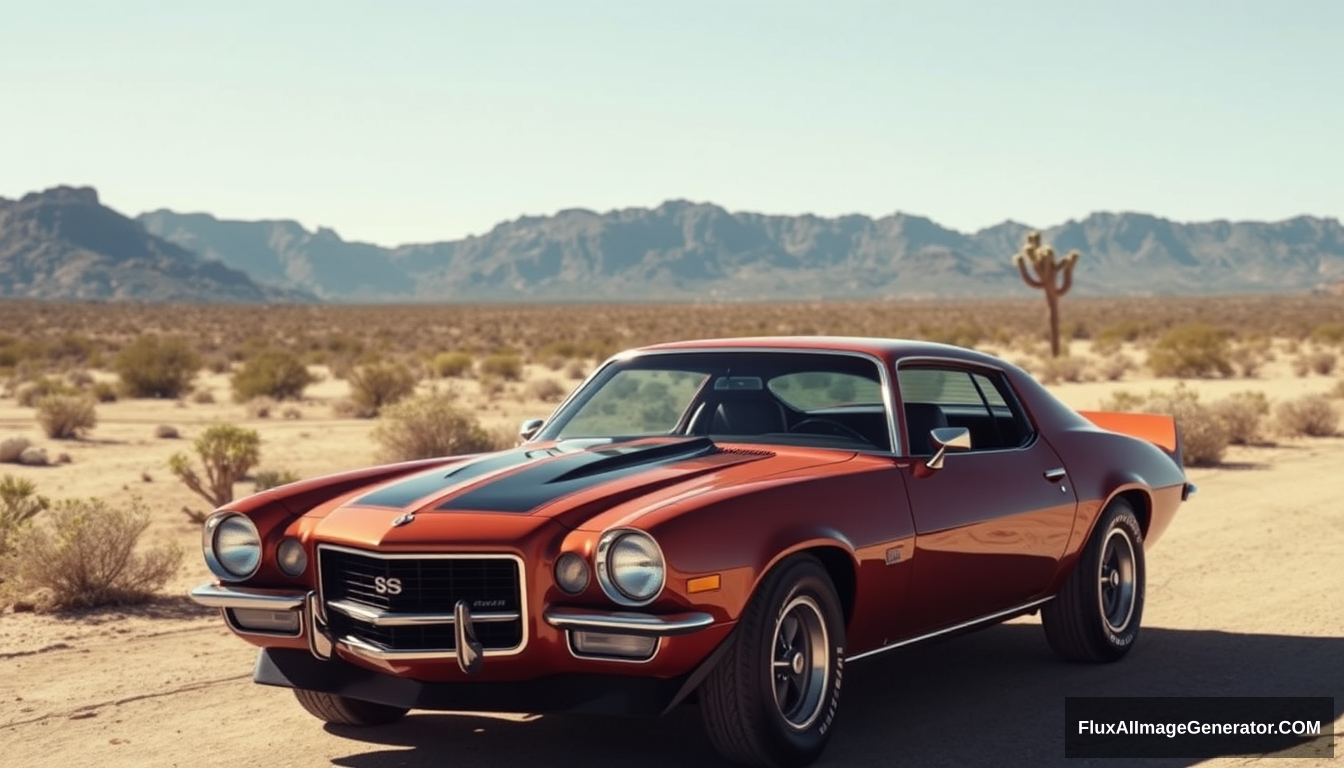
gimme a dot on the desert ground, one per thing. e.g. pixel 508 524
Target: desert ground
pixel 1244 599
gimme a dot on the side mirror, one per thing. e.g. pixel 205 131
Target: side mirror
pixel 529 429
pixel 948 439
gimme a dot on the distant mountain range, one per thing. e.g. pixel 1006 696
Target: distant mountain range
pixel 63 243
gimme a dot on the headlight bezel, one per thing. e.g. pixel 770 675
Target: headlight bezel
pixel 609 580
pixel 210 533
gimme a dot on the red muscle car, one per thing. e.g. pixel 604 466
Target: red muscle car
pixel 731 521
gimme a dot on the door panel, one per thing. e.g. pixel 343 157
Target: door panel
pixel 990 529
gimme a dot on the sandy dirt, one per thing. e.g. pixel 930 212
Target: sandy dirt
pixel 1244 600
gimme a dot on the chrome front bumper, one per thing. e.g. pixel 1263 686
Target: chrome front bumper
pixel 321 643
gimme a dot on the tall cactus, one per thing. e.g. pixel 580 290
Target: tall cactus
pixel 1054 276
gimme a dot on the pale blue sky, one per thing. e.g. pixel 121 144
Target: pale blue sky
pixel 416 120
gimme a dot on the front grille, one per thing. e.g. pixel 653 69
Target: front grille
pixel 429 584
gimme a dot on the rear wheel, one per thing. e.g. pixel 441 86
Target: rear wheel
pixel 343 710
pixel 772 699
pixel 1096 616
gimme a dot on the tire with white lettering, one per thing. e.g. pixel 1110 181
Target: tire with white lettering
pixel 344 710
pixel 1096 615
pixel 772 699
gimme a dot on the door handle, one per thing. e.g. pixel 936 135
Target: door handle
pixel 1056 474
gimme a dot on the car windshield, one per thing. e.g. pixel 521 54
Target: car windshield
pixel 794 398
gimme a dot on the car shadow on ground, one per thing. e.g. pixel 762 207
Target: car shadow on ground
pixel 992 698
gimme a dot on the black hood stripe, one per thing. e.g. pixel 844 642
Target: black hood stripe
pixel 528 489
pixel 399 494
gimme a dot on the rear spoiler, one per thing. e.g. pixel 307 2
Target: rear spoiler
pixel 1158 429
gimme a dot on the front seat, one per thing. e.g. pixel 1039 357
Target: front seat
pixel 920 419
pixel 757 416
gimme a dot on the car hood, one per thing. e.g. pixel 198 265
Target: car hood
pixel 502 496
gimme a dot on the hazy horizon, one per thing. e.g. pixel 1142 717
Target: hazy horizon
pixel 422 121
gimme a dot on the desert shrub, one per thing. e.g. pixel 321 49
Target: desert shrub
pixel 503 365
pixel 547 390
pixel 103 392
pixel 1243 414
pixel 492 386
pixel 28 395
pixel 1308 415
pixel 1191 351
pixel 63 417
pixel 80 379
pixel 1114 366
pixel 375 386
pixel 576 370
pixel 1322 362
pixel 1249 356
pixel 86 553
pixel 429 426
pixel 154 367
pixel 203 397
pixel 260 407
pixel 345 408
pixel 19 503
pixel 277 374
pixel 226 453
pixel 1204 436
pixel 451 365
pixel 1053 370
pixel 1328 333
pixel 265 479
pixel 292 412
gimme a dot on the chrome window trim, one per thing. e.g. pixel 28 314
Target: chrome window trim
pixel 368 651
pixel 1025 607
pixel 888 396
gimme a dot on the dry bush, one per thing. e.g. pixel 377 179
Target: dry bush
pixel 375 386
pixel 1114 366
pixel 85 553
pixel 265 479
pixel 103 392
pixel 1249 356
pixel 79 379
pixel 576 370
pixel 226 453
pixel 277 374
pixel 451 365
pixel 1331 334
pixel 203 397
pixel 1307 416
pixel 28 395
pixel 1194 350
pixel 19 504
pixel 292 412
pixel 1322 362
pixel 1204 436
pixel 65 417
pixel 547 390
pixel 430 426
pixel 260 407
pixel 1053 370
pixel 503 365
pixel 1243 413
pixel 492 386
pixel 154 367
pixel 166 432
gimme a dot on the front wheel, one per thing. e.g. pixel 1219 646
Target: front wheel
pixel 772 699
pixel 344 710
pixel 1095 617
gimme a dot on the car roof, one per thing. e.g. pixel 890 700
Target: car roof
pixel 886 349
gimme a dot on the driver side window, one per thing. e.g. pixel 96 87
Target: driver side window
pixel 952 397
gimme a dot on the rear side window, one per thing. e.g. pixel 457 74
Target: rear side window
pixel 981 402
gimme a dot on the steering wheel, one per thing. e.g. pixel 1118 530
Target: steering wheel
pixel 816 426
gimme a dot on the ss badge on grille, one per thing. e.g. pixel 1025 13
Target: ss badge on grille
pixel 386 586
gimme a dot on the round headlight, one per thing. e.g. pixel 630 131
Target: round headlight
pixel 632 569
pixel 232 546
pixel 571 573
pixel 291 557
